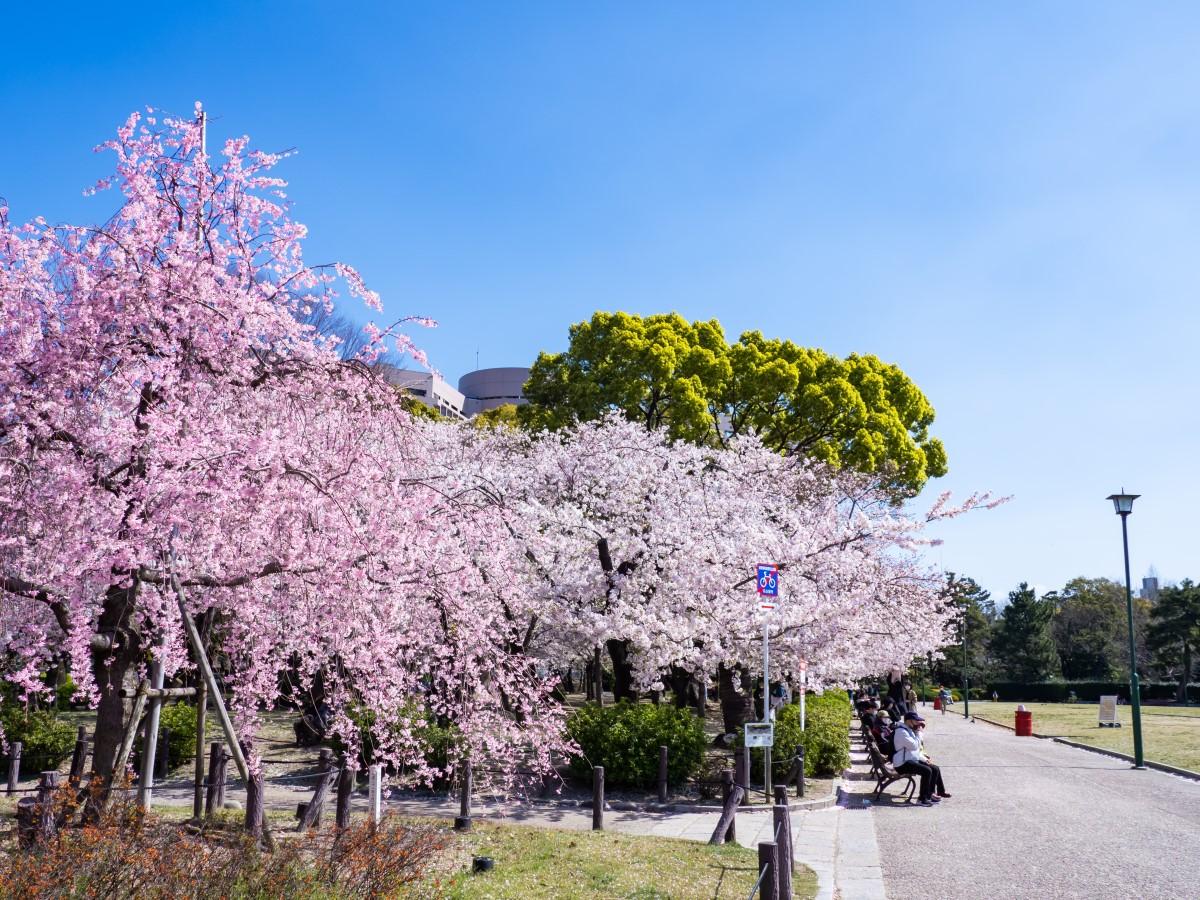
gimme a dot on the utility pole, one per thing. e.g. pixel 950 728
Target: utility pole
pixel 966 679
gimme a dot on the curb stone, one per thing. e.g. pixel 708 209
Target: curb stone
pixel 1150 764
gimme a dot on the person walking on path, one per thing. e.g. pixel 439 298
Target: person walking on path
pixel 910 759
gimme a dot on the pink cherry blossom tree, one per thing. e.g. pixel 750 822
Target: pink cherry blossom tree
pixel 161 398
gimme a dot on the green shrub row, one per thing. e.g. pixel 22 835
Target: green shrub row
pixel 826 735
pixel 180 719
pixel 1085 691
pixel 45 739
pixel 625 737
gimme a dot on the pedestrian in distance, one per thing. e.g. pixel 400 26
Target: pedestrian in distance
pixel 910 758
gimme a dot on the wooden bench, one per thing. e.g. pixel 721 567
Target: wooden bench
pixel 885 775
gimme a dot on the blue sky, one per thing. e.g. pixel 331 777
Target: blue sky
pixel 1003 201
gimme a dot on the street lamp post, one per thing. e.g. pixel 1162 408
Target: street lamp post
pixel 966 680
pixel 1123 505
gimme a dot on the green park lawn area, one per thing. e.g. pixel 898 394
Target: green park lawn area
pixel 540 862
pixel 1170 734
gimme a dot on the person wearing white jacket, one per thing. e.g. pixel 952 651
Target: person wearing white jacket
pixel 910 759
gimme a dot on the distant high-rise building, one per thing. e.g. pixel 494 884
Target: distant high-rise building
pixel 1150 588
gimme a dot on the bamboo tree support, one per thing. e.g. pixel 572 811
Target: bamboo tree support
pixel 210 678
pixel 150 743
pixel 122 760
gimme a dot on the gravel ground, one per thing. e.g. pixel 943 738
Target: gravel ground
pixel 1031 818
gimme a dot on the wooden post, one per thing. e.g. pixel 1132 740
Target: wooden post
pixel 14 765
pixel 800 774
pixel 216 778
pixel 345 789
pixel 781 821
pixel 254 805
pixel 312 815
pixel 597 798
pixel 730 834
pixel 463 822
pixel 768 856
pixel 725 830
pixel 150 741
pixel 131 727
pixel 46 819
pixel 662 774
pixel 375 793
pixel 79 757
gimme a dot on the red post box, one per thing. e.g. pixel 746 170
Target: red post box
pixel 1024 726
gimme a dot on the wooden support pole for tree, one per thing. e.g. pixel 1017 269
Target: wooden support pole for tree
pixel 198 793
pixel 597 798
pixel 727 783
pixel 14 765
pixel 215 692
pixel 725 830
pixel 312 815
pixel 131 727
pixel 662 774
pixel 345 790
pixel 163 694
pixel 463 822
pixel 768 858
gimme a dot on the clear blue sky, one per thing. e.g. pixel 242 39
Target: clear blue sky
pixel 1003 201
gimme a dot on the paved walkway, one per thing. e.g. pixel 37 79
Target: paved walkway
pixel 1032 818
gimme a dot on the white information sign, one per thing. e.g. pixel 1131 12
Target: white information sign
pixel 1108 711
pixel 760 734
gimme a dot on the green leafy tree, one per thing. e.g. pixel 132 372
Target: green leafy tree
pixel 1023 643
pixel 976 608
pixel 1174 632
pixel 1090 629
pixel 503 416
pixel 859 412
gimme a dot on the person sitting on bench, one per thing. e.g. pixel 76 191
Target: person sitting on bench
pixel 910 759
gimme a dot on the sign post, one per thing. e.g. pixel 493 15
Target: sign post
pixel 1108 711
pixel 803 689
pixel 767 578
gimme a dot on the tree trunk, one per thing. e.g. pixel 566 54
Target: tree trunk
pixel 622 671
pixel 1187 673
pixel 681 683
pixel 113 669
pixel 735 707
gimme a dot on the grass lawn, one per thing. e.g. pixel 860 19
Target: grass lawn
pixel 540 862
pixel 1170 734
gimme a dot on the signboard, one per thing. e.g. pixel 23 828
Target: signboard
pixel 760 734
pixel 1108 711
pixel 767 578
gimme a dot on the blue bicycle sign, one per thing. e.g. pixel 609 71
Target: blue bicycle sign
pixel 768 580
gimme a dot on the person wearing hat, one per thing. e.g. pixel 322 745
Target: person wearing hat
pixel 910 759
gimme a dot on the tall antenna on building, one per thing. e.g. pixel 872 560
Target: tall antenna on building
pixel 476 359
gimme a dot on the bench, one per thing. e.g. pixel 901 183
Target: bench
pixel 885 775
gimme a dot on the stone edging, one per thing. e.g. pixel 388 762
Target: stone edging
pixel 1161 767
pixel 634 806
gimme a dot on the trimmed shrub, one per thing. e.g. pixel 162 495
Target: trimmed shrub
pixel 180 719
pixel 826 735
pixel 46 740
pixel 1085 691
pixel 625 738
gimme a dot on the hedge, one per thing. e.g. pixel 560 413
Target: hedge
pixel 180 719
pixel 45 740
pixel 1085 691
pixel 625 737
pixel 826 735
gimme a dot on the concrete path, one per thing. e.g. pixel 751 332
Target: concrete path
pixel 1032 818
